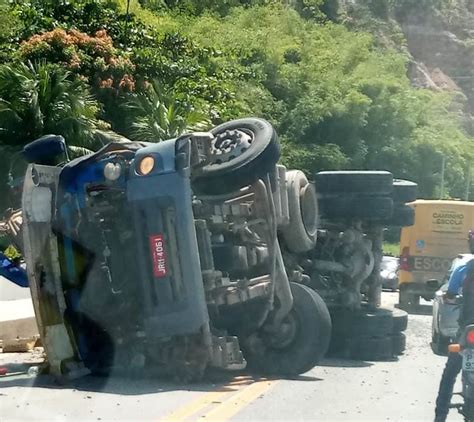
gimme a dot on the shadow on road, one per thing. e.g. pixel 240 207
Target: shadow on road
pixel 112 385
pixel 345 363
pixel 215 381
pixel 304 378
pixel 417 309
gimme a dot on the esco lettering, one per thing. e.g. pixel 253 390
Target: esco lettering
pixel 451 222
pixel 431 264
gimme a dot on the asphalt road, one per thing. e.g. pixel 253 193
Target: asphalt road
pixel 402 390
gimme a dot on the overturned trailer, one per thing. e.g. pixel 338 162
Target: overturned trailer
pixel 195 252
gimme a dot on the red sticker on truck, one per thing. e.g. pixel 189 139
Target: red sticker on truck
pixel 158 255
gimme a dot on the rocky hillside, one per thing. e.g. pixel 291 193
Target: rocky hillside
pixel 437 35
pixel 330 75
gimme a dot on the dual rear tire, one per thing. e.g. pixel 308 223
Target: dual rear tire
pixel 361 195
pixel 367 196
pixel 371 335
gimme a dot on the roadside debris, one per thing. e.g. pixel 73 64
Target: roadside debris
pixel 19 345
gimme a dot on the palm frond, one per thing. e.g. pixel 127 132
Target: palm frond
pixel 39 98
pixel 75 151
pixel 156 115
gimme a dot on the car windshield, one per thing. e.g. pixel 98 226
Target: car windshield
pixel 235 209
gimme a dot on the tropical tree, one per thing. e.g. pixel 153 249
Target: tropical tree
pixel 36 99
pixel 155 115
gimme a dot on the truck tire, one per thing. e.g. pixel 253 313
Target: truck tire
pixel 399 342
pixel 365 182
pixel 300 234
pixel 243 151
pixel 404 191
pixel 400 320
pixel 340 333
pixel 439 344
pixel 362 322
pixel 468 409
pixel 372 323
pixel 371 348
pixel 361 207
pixel 403 216
pixel 304 342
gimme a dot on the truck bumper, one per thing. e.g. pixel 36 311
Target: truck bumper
pixel 167 250
pixel 426 290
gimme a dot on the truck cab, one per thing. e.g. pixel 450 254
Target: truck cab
pixel 203 251
pixel 164 258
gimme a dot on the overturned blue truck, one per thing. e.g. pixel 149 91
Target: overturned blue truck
pixel 201 252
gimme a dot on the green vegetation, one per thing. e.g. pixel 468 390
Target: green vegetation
pixel 392 249
pixel 155 114
pixel 337 97
pixel 38 98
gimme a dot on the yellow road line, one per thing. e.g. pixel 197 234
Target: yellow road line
pixel 237 402
pixel 240 382
pixel 190 409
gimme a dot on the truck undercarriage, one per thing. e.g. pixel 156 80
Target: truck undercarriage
pixel 196 252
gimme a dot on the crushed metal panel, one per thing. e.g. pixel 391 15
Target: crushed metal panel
pixel 42 262
pixel 41 199
pixel 58 347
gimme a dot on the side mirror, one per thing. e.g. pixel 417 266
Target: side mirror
pixel 433 284
pixel 45 150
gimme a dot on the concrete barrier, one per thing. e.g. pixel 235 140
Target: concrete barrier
pixel 17 319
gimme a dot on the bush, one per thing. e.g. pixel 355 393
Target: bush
pixel 37 99
pixel 94 58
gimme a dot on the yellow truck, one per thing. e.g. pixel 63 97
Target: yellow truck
pixel 428 247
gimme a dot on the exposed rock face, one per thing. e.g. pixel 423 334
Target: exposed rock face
pixel 439 40
pixel 434 78
pixel 446 60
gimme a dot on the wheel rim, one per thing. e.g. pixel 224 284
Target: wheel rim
pixel 286 333
pixel 228 145
pixel 309 211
